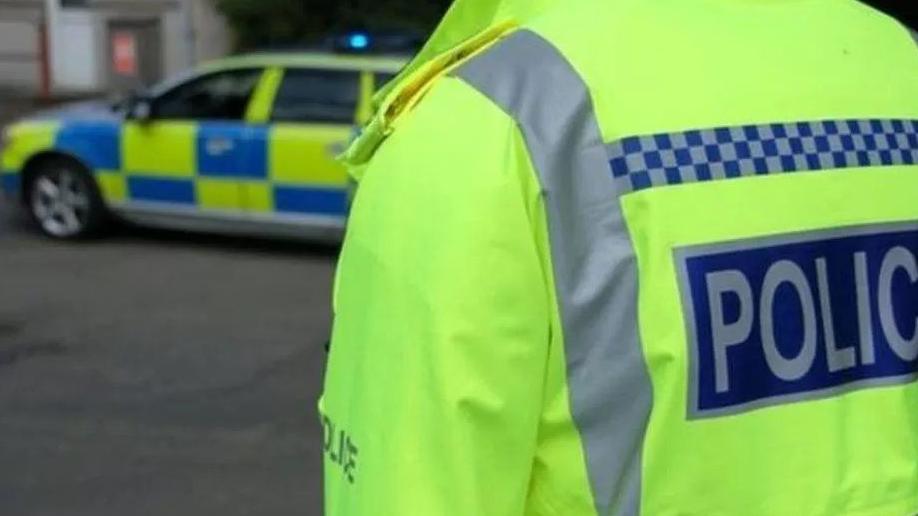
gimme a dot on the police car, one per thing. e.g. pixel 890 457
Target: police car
pixel 242 145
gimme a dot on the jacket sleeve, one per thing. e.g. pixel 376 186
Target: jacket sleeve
pixel 434 385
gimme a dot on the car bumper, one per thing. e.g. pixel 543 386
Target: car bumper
pixel 9 184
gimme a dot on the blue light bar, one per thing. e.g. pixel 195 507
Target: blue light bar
pixel 358 41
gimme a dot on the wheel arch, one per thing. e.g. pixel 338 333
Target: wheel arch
pixel 35 162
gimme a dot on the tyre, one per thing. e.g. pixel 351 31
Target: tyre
pixel 64 201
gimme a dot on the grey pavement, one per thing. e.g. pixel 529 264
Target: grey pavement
pixel 158 373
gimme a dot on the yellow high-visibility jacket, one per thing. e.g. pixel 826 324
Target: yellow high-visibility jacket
pixel 634 257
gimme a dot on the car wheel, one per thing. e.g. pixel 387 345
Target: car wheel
pixel 64 201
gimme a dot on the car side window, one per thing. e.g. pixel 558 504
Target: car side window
pixel 329 96
pixel 217 96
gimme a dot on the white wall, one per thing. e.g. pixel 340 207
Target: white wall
pixel 76 59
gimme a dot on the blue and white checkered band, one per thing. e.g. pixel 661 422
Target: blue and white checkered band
pixel 643 162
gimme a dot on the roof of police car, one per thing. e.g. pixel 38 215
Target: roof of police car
pixel 326 60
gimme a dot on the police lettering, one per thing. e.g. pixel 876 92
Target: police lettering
pixel 800 319
pixel 785 272
pixel 340 449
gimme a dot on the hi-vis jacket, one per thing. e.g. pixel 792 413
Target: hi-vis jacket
pixel 630 257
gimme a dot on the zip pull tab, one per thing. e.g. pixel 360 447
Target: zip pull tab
pixel 425 77
pixel 410 91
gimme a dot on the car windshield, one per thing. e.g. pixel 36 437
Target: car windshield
pixel 167 84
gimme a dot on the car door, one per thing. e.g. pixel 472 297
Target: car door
pixel 192 152
pixel 313 118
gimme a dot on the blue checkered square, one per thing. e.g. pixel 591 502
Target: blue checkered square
pixel 663 142
pixel 693 139
pixel 641 180
pixel 812 162
pixel 713 153
pixel 723 135
pixel 732 169
pixel 703 172
pixel 619 167
pixel 653 160
pixel 631 145
pixel 673 176
pixel 770 147
pixel 684 157
pixel 840 159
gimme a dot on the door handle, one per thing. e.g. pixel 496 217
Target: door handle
pixel 219 146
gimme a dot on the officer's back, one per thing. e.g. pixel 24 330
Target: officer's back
pixel 653 258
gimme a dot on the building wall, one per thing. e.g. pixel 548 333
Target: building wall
pixel 76 61
pixel 177 48
pixel 213 38
pixel 28 10
pixel 20 63
pixel 190 31
pixel 120 13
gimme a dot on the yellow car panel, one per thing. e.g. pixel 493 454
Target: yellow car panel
pixel 165 149
pixel 26 140
pixel 112 186
pixel 217 194
pixel 257 196
pixel 305 154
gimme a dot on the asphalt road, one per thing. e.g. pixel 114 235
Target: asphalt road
pixel 157 373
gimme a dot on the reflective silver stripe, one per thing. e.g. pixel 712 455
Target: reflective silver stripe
pixel 594 260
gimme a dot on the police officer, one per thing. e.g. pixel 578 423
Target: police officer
pixel 624 257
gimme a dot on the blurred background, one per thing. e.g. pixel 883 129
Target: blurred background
pixel 155 371
pixel 152 372
pixel 76 46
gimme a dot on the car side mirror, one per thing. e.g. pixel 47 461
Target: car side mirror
pixel 140 109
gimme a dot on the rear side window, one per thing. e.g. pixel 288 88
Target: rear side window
pixel 329 96
pixel 380 79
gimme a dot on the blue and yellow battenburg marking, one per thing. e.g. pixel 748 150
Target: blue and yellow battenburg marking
pixel 643 162
pixel 210 166
pixel 787 318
